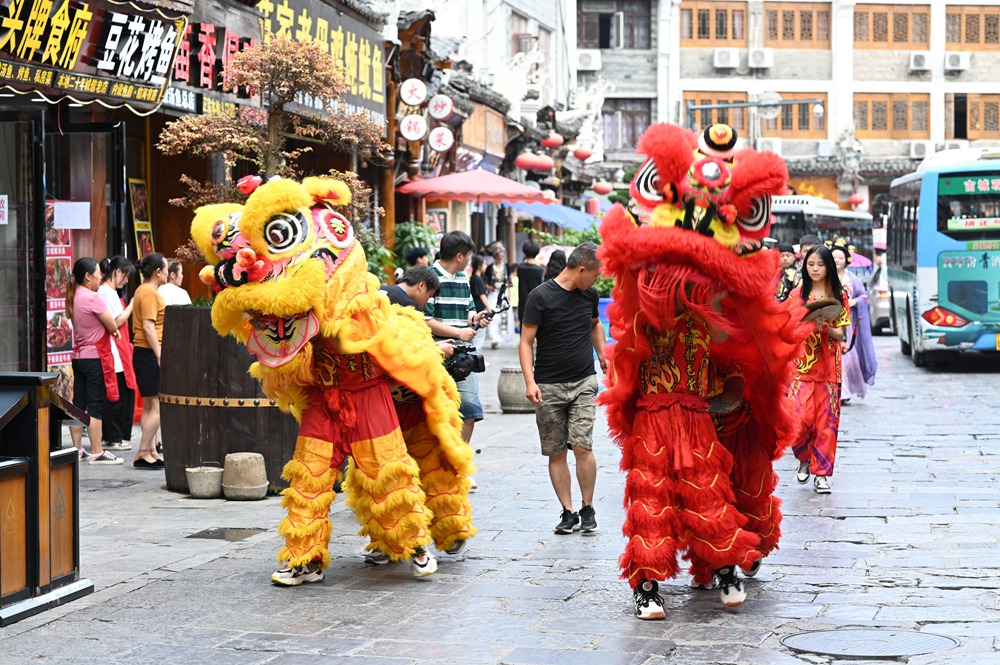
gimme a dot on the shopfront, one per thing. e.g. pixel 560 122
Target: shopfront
pixel 72 76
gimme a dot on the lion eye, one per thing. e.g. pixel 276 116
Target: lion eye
pixel 284 231
pixel 647 182
pixel 759 215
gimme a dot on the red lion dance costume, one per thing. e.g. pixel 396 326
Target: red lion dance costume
pixel 704 356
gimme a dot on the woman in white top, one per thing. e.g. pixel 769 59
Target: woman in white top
pixel 118 416
pixel 171 292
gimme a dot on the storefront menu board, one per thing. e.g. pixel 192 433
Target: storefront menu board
pixel 114 53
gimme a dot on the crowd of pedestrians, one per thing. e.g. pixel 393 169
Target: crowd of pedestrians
pixel 109 363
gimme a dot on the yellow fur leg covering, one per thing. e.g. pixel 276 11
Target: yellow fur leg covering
pixel 306 528
pixel 383 488
pixel 447 492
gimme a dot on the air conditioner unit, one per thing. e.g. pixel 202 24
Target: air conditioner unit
pixel 770 144
pixel 956 144
pixel 588 60
pixel 920 61
pixel 726 58
pixel 761 58
pixel 957 61
pixel 921 149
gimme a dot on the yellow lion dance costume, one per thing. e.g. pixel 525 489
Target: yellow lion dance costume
pixel 292 284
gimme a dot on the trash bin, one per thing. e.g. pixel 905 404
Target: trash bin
pixel 39 493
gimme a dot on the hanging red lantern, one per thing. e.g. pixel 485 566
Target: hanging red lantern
pixel 583 154
pixel 545 163
pixel 602 188
pixel 553 140
pixel 592 207
pixel 856 199
pixel 527 161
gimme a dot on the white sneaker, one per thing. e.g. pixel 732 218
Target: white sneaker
pixel 731 589
pixel 309 573
pixel 753 569
pixel 647 603
pixel 105 458
pixel 117 445
pixel 423 563
pixel 472 483
pixel 821 485
pixel 376 558
pixel 456 548
pixel 803 473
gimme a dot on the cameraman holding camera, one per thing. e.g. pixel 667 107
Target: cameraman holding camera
pixel 561 381
pixel 451 314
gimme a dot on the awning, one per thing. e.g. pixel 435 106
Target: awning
pixel 564 216
pixel 475 186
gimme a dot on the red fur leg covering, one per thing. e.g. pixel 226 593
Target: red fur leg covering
pixel 678 492
pixel 754 481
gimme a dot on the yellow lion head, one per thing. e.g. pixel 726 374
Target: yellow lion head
pixel 282 265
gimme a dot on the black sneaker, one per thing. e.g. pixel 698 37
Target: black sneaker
pixel 647 602
pixel 588 520
pixel 307 574
pixel 731 589
pixel 568 522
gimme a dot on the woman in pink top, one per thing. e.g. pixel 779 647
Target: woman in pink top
pixel 92 325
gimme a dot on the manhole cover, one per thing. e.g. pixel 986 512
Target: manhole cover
pixel 869 643
pixel 220 533
pixel 94 484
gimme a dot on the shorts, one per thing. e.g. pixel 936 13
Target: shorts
pixel 147 371
pixel 88 386
pixel 468 389
pixel 565 417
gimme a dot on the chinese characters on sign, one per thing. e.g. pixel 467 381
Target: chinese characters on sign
pixel 413 127
pixel 984 261
pixel 100 48
pixel 207 46
pixel 974 224
pixel 441 139
pixel 413 92
pixel 983 183
pixel 441 107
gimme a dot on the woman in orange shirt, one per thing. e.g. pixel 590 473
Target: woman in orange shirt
pixel 816 387
pixel 147 332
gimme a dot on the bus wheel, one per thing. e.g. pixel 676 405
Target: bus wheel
pixel 919 358
pixel 904 345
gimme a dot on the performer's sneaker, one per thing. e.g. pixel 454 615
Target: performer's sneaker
pixel 307 574
pixel 376 558
pixel 588 520
pixel 821 485
pixel 703 587
pixel 752 569
pixel 568 522
pixel 731 589
pixel 423 563
pixel 647 603
pixel 803 474
pixel 456 548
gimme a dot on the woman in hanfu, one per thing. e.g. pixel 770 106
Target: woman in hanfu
pixel 859 352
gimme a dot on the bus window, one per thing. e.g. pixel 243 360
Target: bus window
pixel 969 205
pixel 972 295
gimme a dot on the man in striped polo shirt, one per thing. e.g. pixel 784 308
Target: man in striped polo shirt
pixel 451 314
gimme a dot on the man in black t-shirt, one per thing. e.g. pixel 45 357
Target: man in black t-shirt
pixel 529 276
pixel 561 314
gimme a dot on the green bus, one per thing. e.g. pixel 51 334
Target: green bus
pixel 943 255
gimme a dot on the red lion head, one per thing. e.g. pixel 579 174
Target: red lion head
pixel 706 185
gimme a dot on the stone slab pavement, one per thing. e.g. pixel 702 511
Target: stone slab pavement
pixel 907 540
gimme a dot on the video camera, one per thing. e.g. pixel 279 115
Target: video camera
pixel 464 361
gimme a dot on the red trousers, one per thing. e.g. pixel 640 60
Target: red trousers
pixel 818 405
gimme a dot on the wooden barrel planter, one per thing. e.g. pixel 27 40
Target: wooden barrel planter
pixel 210 406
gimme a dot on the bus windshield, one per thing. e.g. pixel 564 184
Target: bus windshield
pixel 969 205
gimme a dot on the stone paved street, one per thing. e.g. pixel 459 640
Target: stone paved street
pixel 908 539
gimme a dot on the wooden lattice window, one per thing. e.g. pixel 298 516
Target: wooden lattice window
pixel 884 116
pixel 802 26
pixel 797 121
pixel 974 28
pixel 892 27
pixel 710 24
pixel 983 116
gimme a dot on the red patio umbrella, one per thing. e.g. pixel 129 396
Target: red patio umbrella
pixel 475 186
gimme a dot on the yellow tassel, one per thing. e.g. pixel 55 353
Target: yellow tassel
pixel 289 558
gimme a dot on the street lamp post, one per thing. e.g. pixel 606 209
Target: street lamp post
pixel 690 107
